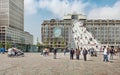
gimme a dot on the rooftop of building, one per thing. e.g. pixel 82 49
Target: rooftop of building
pixel 75 16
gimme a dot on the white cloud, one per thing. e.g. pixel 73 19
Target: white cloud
pixel 61 7
pixel 106 12
pixel 30 6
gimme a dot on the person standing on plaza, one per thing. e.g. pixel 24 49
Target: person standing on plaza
pixel 92 51
pixel 44 53
pixel 111 53
pixel 55 53
pixel 71 53
pixel 2 50
pixel 105 55
pixel 85 54
pixel 77 54
pixel 65 51
pixel 81 52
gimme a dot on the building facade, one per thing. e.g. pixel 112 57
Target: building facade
pixel 12 23
pixel 105 31
pixel 57 33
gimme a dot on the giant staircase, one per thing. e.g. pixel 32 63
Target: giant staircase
pixel 82 37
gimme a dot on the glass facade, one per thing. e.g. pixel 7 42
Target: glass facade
pixel 4 12
pixel 12 23
pixel 16 14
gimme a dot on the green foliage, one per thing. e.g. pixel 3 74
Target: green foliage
pixel 19 47
pixel 38 44
pixel 8 45
pixel 1 45
pixel 54 43
pixel 63 43
pixel 46 44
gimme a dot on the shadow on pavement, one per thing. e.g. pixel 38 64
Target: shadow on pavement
pixel 111 61
pixel 89 60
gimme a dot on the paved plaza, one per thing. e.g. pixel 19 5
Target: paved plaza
pixel 36 64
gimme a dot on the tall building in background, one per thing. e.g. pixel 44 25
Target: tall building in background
pixel 12 14
pixel 57 33
pixel 12 23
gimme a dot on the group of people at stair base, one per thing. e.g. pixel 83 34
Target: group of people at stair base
pixel 83 52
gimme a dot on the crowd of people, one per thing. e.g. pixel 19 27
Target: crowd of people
pixel 78 52
pixel 72 52
pixel 45 52
pixel 108 53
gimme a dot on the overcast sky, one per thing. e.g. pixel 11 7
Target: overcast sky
pixel 38 10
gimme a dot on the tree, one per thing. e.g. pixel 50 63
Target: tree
pixel 8 45
pixel 1 45
pixel 46 44
pixel 63 43
pixel 54 43
pixel 38 44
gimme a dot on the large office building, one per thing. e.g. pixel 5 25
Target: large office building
pixel 12 23
pixel 105 31
pixel 58 33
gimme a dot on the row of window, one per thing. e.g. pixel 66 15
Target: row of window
pixel 110 42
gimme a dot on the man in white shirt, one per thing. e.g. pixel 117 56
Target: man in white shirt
pixel 105 54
